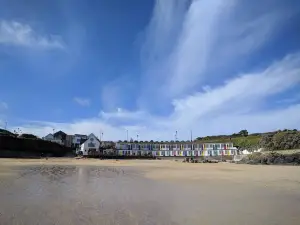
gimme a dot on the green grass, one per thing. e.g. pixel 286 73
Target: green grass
pixel 237 141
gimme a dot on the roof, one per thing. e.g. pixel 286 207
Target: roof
pixel 84 140
pixel 80 135
pixel 60 133
pixel 173 142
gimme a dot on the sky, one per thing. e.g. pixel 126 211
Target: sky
pixel 149 67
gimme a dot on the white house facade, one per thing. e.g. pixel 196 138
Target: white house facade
pixel 90 146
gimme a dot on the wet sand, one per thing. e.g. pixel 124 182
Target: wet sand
pixel 90 191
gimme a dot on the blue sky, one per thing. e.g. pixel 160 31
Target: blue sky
pixel 149 67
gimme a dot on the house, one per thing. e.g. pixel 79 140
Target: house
pixel 69 141
pixel 78 139
pixel 50 137
pixel 60 136
pixel 91 146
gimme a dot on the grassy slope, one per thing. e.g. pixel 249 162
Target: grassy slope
pixel 237 141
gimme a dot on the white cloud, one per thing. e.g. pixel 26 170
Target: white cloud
pixel 15 33
pixel 211 36
pixel 123 114
pixel 82 101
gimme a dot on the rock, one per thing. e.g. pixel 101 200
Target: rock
pixel 279 160
pixel 289 159
pixel 270 160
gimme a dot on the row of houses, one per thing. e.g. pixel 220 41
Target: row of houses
pixel 173 146
pixel 167 149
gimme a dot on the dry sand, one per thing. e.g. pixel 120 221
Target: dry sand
pixel 146 192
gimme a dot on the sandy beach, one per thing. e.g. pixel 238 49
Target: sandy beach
pixel 92 191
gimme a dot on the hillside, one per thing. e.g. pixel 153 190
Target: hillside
pixel 277 140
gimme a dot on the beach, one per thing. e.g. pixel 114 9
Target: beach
pixel 93 191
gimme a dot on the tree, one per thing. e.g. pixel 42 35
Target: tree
pixel 243 133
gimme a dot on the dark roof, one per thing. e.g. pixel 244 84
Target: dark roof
pixel 60 133
pixel 80 135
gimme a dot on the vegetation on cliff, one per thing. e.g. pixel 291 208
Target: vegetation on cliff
pixel 277 140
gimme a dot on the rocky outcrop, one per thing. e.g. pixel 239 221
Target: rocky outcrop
pixel 271 159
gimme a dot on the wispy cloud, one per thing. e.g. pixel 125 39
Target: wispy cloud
pixel 3 106
pixel 82 101
pixel 19 34
pixel 209 41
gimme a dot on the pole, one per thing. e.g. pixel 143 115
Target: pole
pixel 176 135
pixel 5 125
pixel 191 136
pixel 127 135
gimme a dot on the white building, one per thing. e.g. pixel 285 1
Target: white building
pixel 90 146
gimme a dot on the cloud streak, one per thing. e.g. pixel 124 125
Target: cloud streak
pixel 82 101
pixel 17 34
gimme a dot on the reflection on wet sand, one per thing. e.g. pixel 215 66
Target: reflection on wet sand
pixel 81 194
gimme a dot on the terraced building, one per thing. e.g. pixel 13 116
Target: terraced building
pixel 173 149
